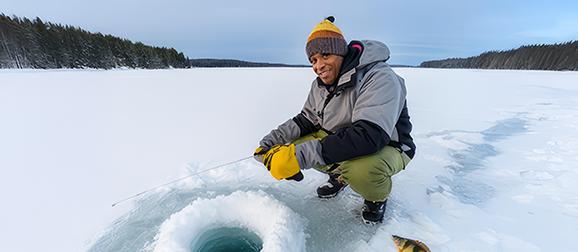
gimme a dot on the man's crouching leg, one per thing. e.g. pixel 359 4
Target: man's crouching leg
pixel 370 176
pixel 333 185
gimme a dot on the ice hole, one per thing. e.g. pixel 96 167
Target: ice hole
pixel 253 220
pixel 228 239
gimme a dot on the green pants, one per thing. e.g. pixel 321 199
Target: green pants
pixel 369 175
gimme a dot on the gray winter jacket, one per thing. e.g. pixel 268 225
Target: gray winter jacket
pixel 364 111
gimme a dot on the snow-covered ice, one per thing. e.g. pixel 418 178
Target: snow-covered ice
pixel 495 169
pixel 282 230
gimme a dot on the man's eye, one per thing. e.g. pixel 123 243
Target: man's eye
pixel 325 55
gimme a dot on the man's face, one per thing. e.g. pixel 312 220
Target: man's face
pixel 326 66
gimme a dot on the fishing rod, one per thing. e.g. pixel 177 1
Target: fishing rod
pixel 179 179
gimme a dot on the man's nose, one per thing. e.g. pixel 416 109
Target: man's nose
pixel 317 66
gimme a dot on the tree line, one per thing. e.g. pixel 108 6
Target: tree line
pixel 26 43
pixel 561 56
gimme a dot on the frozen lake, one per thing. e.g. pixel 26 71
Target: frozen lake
pixel 495 170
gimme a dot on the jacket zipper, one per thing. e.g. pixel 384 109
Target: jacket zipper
pixel 327 100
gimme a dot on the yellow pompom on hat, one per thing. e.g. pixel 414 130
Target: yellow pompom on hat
pixel 326 38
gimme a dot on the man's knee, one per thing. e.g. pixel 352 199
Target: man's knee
pixel 360 176
pixel 369 184
pixel 370 176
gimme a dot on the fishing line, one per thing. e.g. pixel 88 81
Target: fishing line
pixel 179 179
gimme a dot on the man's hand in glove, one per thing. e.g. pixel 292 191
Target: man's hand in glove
pixel 259 152
pixel 281 161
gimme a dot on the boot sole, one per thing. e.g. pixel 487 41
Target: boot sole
pixel 370 222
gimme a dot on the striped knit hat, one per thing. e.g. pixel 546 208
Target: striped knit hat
pixel 326 38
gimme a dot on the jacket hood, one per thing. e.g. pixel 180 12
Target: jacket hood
pixel 373 51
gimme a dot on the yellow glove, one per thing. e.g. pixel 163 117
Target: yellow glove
pixel 259 152
pixel 282 163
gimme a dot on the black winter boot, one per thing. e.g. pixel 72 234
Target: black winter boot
pixel 373 211
pixel 331 188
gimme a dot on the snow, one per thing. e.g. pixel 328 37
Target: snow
pixel 281 230
pixel 495 168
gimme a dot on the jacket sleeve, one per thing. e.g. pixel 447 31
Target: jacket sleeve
pixel 375 114
pixel 283 134
pixel 294 128
pixel 305 125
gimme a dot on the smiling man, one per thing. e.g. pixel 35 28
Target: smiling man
pixel 354 125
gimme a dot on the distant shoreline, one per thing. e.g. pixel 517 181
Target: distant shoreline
pixel 556 57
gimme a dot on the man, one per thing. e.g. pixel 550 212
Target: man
pixel 354 125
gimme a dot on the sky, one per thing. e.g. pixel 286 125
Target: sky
pixel 276 31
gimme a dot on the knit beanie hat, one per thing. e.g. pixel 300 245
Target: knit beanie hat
pixel 326 38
